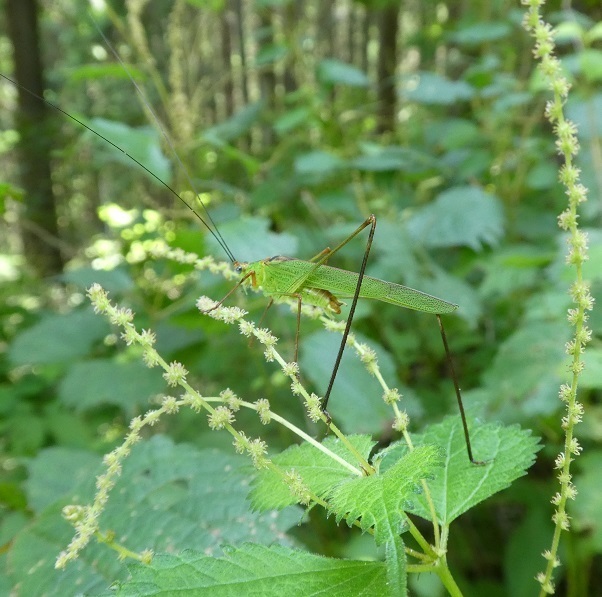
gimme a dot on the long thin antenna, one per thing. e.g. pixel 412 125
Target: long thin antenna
pixel 215 231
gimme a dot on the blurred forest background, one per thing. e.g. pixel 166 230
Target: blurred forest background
pixel 296 119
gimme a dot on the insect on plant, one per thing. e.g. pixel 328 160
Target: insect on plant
pixel 310 281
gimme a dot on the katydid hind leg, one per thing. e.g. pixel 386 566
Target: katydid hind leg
pixel 458 394
pixel 371 221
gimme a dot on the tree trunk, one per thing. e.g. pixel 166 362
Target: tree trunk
pixel 387 64
pixel 226 21
pixel 267 76
pixel 39 228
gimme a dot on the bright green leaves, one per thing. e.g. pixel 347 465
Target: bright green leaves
pixel 334 71
pixel 58 338
pixel 461 216
pixel 168 497
pixel 374 502
pixel 256 570
pixel 318 470
pixel 379 501
pixel 434 89
pixel 460 485
pixel 142 143
pixel 126 385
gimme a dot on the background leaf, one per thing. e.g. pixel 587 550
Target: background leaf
pixel 129 386
pixel 460 216
pixel 168 496
pixel 58 338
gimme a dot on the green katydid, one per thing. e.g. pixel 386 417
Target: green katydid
pixel 312 282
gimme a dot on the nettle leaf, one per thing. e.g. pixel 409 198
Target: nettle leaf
pixel 430 88
pixel 116 280
pixel 58 338
pixel 318 162
pixel 508 452
pixel 256 570
pixel 473 35
pixel 590 377
pixel 252 238
pixel 460 216
pixel 318 471
pixel 142 143
pixel 513 384
pixel 89 384
pixel 238 124
pixel 356 401
pixel 379 500
pixel 335 71
pixel 396 561
pixel 169 497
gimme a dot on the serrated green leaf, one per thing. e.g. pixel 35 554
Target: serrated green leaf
pixel 47 482
pixel 89 384
pixel 256 570
pixel 116 280
pixel 591 377
pixel 396 561
pixel 460 485
pixel 142 143
pixel 586 510
pixel 356 401
pixel 169 496
pixel 58 338
pixel 379 500
pixel 480 33
pixel 271 54
pixel 318 162
pixel 238 124
pixel 319 472
pixel 430 88
pixel 542 342
pixel 335 71
pixel 250 238
pixel 460 216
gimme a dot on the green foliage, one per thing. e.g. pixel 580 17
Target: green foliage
pixel 466 194
pixel 58 338
pixel 378 502
pixel 443 223
pixel 507 452
pixel 169 495
pixel 256 569
pixel 335 71
pixel 142 144
pixel 319 472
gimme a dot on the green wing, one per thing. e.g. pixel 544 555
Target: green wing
pixel 342 284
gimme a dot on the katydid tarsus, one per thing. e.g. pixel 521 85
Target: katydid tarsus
pixel 307 281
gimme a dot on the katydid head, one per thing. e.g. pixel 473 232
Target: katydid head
pixel 240 266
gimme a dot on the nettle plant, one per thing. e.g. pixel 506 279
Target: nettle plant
pixel 173 497
pixel 379 491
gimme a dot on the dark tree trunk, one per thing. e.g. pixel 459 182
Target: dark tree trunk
pixel 267 77
pixel 293 11
pixel 240 34
pixel 387 63
pixel 39 229
pixel 227 18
